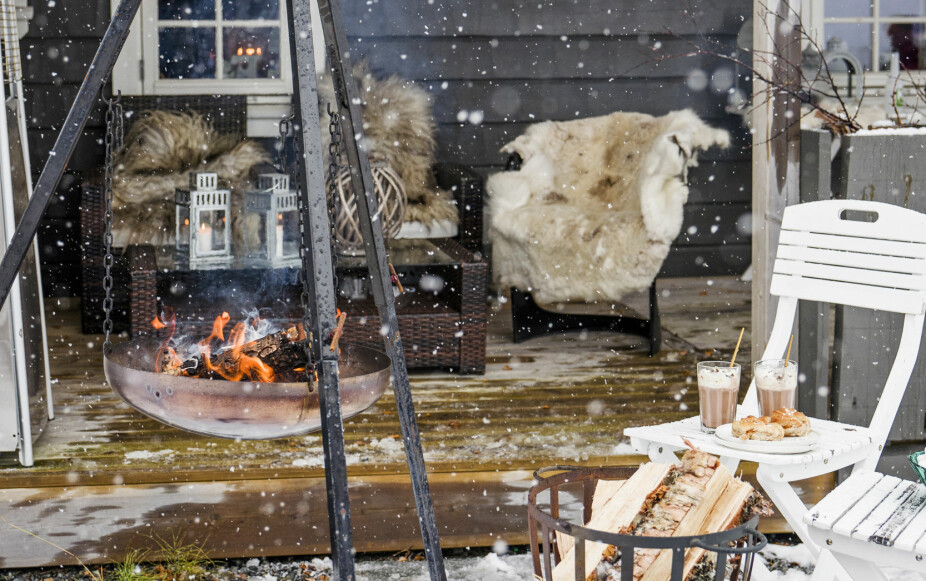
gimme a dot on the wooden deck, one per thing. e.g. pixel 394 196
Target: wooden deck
pixel 107 478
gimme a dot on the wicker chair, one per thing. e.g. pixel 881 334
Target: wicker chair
pixel 137 278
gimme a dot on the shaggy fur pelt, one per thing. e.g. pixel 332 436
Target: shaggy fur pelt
pixel 399 130
pixel 161 150
pixel 596 205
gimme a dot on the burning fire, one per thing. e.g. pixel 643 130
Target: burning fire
pixel 250 367
pixel 250 51
pixel 237 358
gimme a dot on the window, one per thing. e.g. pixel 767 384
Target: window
pixel 207 46
pixel 871 30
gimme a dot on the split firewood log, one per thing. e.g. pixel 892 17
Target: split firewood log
pixel 697 497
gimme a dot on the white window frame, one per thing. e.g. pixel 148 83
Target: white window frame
pixel 137 73
pixel 813 19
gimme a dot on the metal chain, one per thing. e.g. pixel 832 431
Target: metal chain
pixel 334 169
pixel 305 237
pixel 286 127
pixel 335 154
pixel 114 136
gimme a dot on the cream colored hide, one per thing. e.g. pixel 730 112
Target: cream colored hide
pixel 595 206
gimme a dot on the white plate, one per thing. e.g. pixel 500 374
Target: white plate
pixel 724 436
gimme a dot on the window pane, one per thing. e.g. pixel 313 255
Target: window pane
pixel 901 8
pixel 252 53
pixel 186 9
pixel 250 9
pixel 186 53
pixel 843 8
pixel 853 38
pixel 905 39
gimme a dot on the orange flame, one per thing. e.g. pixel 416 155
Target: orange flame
pixel 244 365
pixel 171 323
pixel 218 329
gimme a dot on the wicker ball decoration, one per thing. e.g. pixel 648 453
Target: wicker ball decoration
pixel 390 191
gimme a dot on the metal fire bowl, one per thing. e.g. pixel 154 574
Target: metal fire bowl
pixel 239 409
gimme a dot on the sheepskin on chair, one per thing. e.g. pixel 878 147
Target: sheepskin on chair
pixel 398 129
pixel 161 150
pixel 596 204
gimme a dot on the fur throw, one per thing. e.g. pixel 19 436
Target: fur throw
pixel 399 131
pixel 596 205
pixel 161 150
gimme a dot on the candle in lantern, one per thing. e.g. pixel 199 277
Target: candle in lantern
pixel 204 239
pixel 279 242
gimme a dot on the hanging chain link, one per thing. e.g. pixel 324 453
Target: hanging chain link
pixel 335 155
pixel 286 127
pixel 114 136
pixel 301 195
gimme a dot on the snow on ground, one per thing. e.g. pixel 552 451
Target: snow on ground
pixel 783 563
pixel 490 567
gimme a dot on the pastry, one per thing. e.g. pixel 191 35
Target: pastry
pixel 753 428
pixel 794 422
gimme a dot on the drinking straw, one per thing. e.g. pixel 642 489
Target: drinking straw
pixel 732 359
pixel 788 354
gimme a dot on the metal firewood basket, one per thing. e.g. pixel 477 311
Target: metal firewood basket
pixel 737 545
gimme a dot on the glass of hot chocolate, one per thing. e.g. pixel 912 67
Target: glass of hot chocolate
pixel 776 384
pixel 718 387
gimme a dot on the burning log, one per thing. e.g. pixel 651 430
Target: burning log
pixel 279 357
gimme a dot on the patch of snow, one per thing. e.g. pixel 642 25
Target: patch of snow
pixel 252 563
pixel 490 567
pixel 147 455
pixel 893 131
pixel 623 449
pixel 388 444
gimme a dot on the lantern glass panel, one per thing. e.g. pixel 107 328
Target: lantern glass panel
pixel 183 226
pixel 257 240
pixel 210 233
pixel 288 233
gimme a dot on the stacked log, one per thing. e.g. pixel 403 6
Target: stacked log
pixel 699 496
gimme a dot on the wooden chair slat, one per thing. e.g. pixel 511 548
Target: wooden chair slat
pixel 866 260
pixel 833 506
pixel 892 222
pixel 863 506
pixel 853 244
pixel 884 512
pixel 850 294
pixel 912 506
pixel 863 276
pixel 913 537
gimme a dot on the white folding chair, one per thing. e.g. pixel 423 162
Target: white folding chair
pixel 854 253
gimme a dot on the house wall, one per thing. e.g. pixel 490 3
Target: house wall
pixel 63 37
pixel 512 62
pixel 517 62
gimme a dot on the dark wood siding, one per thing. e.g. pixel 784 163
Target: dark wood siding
pixel 518 62
pixel 515 62
pixel 63 37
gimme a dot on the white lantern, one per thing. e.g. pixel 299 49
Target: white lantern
pixel 203 224
pixel 271 223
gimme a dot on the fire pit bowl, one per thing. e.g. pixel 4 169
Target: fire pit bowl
pixel 239 409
